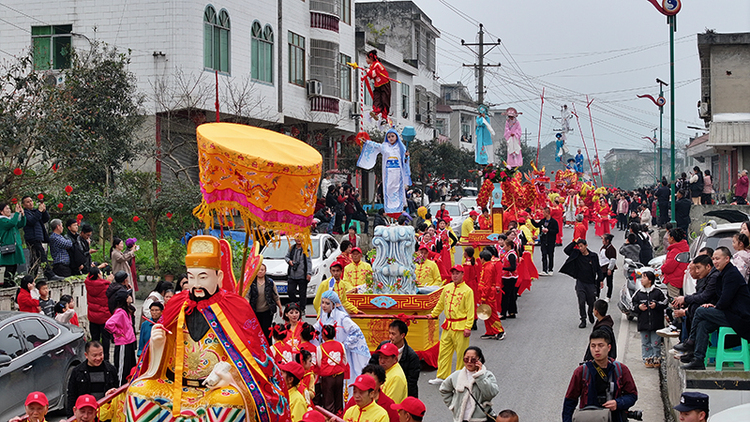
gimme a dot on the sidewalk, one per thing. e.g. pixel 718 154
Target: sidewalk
pixel 647 380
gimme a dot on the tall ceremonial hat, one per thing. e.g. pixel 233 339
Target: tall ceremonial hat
pixel 203 252
pixel 269 179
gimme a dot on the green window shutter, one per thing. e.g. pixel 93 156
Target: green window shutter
pixel 254 58
pixel 207 45
pixel 224 51
pixel 42 53
pixel 61 58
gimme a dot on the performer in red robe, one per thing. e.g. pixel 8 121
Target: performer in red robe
pixel 488 281
pixel 556 212
pixel 603 225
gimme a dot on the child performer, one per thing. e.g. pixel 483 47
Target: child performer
pixel 381 92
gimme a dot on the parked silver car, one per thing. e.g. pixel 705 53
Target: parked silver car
pixel 36 354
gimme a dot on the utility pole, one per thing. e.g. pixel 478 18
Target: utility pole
pixel 479 66
pixel 526 136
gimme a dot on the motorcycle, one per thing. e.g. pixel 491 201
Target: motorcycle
pixel 633 271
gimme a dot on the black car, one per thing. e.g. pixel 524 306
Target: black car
pixel 37 353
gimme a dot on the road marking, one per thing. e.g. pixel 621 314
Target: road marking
pixel 622 338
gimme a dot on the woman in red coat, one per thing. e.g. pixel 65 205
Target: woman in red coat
pixel 673 271
pixel 26 303
pixel 556 212
pixel 98 309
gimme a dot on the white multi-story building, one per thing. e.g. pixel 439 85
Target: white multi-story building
pixel 277 64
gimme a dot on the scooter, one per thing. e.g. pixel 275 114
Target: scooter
pixel 633 271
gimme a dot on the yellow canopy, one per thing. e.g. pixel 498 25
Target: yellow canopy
pixel 269 178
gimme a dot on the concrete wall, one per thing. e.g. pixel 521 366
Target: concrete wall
pixel 729 93
pixel 77 289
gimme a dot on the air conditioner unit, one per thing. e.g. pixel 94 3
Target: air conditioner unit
pixel 54 78
pixel 314 88
pixel 418 117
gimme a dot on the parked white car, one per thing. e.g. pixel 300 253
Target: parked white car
pixel 470 202
pixel 325 250
pixel 458 212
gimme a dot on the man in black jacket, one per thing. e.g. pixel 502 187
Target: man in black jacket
pixel 706 276
pixel 731 310
pixel 662 196
pixel 35 233
pixel 94 376
pixel 583 265
pixel 682 211
pixel 408 358
pixel 548 235
pixel 603 322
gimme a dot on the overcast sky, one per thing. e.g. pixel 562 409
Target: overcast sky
pixel 611 50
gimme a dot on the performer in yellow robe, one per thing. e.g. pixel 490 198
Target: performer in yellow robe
pixel 338 285
pixel 356 271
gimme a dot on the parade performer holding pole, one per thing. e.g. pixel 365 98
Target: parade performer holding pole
pixel 381 93
pixel 396 171
pixel 513 137
pixel 236 376
pixel 457 300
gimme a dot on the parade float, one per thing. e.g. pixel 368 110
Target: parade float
pixel 208 359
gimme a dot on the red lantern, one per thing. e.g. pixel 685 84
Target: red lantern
pixel 230 223
pixel 14 201
pixel 17 171
pixel 109 220
pixel 68 189
pixel 136 219
pixel 169 215
pixel 79 217
pixel 40 197
pixel 54 167
pixel 60 205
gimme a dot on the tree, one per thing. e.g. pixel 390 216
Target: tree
pixel 623 174
pixel 34 118
pixel 145 195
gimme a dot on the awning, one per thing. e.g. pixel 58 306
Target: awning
pixel 729 134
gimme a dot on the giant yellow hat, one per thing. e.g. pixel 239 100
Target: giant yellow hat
pixel 203 252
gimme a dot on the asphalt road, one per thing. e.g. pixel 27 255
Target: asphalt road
pixel 542 347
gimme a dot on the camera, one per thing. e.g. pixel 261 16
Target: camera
pixel 634 414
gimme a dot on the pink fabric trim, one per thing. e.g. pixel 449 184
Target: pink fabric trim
pixel 240 199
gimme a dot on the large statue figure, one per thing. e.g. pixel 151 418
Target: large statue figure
pixel 396 171
pixel 513 137
pixel 393 267
pixel 207 359
pixel 484 153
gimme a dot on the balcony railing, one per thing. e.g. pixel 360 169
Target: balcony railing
pixel 324 21
pixel 324 104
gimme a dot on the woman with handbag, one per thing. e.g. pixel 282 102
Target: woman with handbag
pixel 11 249
pixel 469 391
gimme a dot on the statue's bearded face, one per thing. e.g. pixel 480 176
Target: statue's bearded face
pixel 203 282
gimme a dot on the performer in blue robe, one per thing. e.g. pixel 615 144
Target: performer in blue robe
pixel 396 171
pixel 579 162
pixel 484 153
pixel 559 143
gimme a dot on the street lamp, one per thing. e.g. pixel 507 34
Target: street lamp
pixel 653 141
pixel 670 8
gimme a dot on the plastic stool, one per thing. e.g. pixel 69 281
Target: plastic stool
pixel 367 207
pixel 711 349
pixel 726 356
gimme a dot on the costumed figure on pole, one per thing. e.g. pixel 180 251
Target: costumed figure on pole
pixel 396 171
pixel 484 153
pixel 513 138
pixel 381 92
